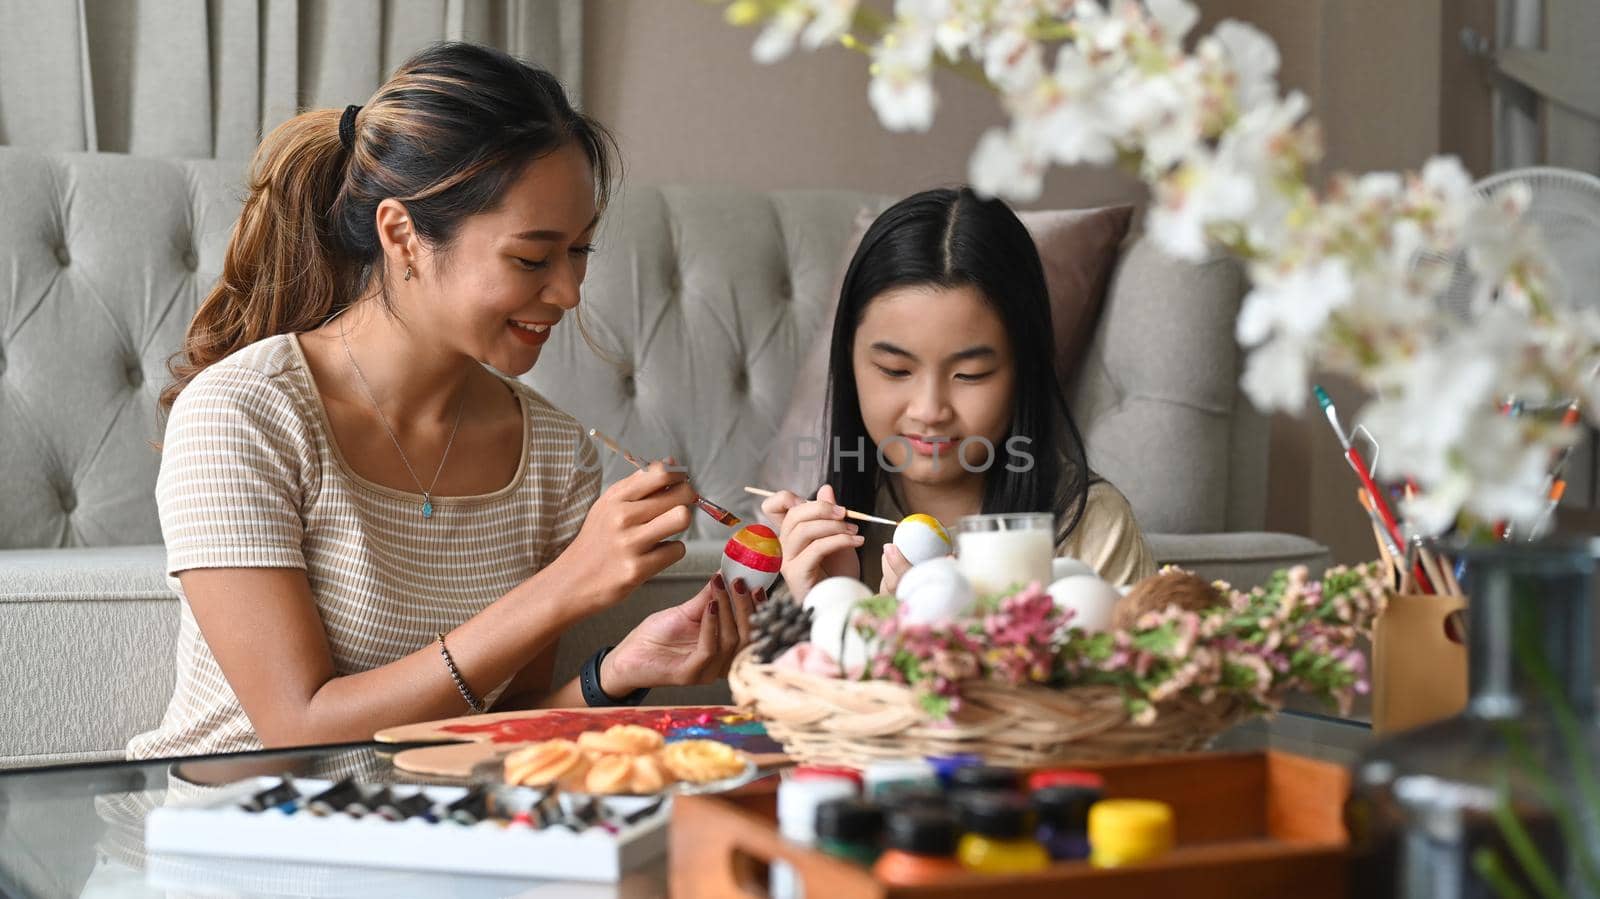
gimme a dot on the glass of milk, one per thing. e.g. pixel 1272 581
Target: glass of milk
pixel 1005 553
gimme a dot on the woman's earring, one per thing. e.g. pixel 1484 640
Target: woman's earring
pixel 408 274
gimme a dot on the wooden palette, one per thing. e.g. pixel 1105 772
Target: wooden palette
pixel 474 739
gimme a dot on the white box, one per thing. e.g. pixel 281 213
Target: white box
pixel 216 825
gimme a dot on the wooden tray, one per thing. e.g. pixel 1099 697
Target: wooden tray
pixel 1263 824
pixel 477 738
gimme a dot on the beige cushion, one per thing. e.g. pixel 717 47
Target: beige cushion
pixel 1078 248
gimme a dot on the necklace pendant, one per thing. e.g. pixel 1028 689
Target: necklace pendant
pixel 427 508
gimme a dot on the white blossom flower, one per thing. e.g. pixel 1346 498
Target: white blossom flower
pixel 1067 116
pixel 1295 302
pixel 1261 146
pixel 1448 187
pixel 1004 167
pixel 777 40
pixel 832 20
pixel 901 91
pixel 1175 17
pixel 953 35
pixel 1275 375
pixel 1255 62
pixel 1012 61
pixel 1499 239
pixel 1162 111
pixel 1195 196
pixel 903 103
pixel 1438 421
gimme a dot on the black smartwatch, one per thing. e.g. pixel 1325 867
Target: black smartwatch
pixel 589 682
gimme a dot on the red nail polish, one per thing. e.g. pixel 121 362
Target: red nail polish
pixel 718 583
pixel 712 609
pixel 738 585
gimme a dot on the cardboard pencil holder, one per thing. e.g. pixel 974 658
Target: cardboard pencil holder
pixel 1419 662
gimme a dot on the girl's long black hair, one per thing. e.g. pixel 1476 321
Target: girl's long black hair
pixel 953 238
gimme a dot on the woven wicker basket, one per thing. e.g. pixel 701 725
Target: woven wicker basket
pixel 832 721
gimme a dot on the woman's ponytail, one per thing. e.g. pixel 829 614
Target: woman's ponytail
pixel 284 270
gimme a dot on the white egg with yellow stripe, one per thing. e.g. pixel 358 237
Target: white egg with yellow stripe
pixel 921 537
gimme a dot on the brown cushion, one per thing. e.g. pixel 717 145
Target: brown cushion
pixel 1078 248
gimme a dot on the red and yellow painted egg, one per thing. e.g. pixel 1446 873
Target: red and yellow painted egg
pixel 752 553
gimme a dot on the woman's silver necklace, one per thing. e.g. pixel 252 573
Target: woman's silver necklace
pixel 427 492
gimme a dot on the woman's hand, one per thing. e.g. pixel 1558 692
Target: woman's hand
pixel 895 566
pixel 692 643
pixel 818 543
pixel 624 539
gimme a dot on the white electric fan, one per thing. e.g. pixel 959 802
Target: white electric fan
pixel 1565 206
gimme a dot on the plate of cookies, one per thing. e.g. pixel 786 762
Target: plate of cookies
pixel 623 760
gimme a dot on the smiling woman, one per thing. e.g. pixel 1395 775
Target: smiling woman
pixel 943 400
pixel 369 520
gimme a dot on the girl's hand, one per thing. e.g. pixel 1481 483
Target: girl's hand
pixel 624 539
pixel 818 543
pixel 775 507
pixel 692 643
pixel 895 566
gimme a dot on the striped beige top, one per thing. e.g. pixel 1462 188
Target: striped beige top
pixel 250 478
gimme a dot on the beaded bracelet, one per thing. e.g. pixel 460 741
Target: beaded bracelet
pixel 455 675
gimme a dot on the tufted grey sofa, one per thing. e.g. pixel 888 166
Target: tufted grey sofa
pixel 704 297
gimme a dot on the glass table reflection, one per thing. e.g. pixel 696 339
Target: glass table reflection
pixel 78 831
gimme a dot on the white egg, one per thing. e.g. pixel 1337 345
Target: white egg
pixel 935 591
pixel 1067 566
pixel 754 580
pixel 832 602
pixel 835 591
pixel 1088 598
pixel 920 538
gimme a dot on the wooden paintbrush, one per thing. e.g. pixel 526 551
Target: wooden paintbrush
pixel 718 514
pixel 848 513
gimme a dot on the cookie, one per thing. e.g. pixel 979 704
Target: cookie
pixel 649 775
pixel 621 739
pixel 542 764
pixel 609 774
pixel 702 761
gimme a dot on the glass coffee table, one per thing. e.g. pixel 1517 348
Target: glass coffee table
pixel 78 830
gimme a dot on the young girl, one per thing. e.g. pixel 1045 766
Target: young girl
pixel 942 361
pixel 366 526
